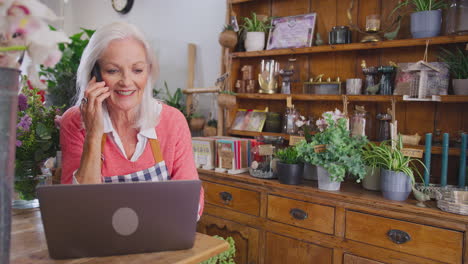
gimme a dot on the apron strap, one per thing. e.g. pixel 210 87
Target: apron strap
pixel 155 147
pixel 103 143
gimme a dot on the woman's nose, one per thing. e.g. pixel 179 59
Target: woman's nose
pixel 125 79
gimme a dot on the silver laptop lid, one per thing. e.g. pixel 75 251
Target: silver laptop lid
pixel 121 218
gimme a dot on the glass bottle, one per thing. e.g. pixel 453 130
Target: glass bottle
pixel 290 117
pixel 456 21
pixel 384 127
pixel 358 122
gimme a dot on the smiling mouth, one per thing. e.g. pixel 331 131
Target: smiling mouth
pixel 126 93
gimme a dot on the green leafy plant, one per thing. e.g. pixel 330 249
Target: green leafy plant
pixel 457 61
pixel 391 158
pixel 254 24
pixel 342 152
pixel 196 115
pixel 175 100
pixel 288 155
pixel 226 257
pixel 422 5
pixel 367 153
pixel 61 79
pixel 212 123
pixel 228 27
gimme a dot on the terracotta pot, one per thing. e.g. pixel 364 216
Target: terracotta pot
pixel 227 100
pixel 209 131
pixel 197 123
pixel 228 39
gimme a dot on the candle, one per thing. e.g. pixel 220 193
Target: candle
pixel 427 158
pixel 372 23
pixel 462 171
pixel 443 174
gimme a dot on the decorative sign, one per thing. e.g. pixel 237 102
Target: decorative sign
pixel 289 101
pixel 292 32
pixel 265 150
pixel 226 159
pixel 415 153
pixel 293 140
pixel 320 148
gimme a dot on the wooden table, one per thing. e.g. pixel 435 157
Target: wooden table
pixel 28 245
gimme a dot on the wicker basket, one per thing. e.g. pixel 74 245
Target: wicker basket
pixel 453 201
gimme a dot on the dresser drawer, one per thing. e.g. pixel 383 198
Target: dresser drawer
pixel 417 239
pixel 237 199
pixel 302 214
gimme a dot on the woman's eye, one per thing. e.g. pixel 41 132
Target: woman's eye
pixel 138 70
pixel 112 71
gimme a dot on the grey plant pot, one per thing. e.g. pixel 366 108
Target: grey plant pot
pixel 460 86
pixel 426 24
pixel 372 179
pixel 290 173
pixel 310 172
pixel 395 185
pixel 324 181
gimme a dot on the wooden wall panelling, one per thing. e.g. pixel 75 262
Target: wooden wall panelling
pixel 346 61
pixel 419 118
pixel 448 119
pixel 452 169
pixel 260 7
pixel 281 8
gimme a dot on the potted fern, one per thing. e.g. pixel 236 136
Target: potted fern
pixel 458 64
pixel 426 20
pixel 334 151
pixel 289 166
pixel 255 28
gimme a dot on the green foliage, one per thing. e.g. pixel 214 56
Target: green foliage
pixel 255 25
pixel 228 27
pixel 212 123
pixel 227 92
pixel 367 153
pixel 61 80
pixel 457 61
pixel 226 257
pixel 343 151
pixel 175 100
pixel 422 5
pixel 196 115
pixel 391 158
pixel 288 155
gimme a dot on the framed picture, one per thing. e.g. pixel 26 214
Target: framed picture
pixel 292 32
pixel 249 120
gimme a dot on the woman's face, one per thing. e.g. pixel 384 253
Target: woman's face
pixel 125 70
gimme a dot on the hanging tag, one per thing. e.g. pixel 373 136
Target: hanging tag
pixel 265 150
pixel 289 102
pixel 293 140
pixel 414 153
pixel 320 148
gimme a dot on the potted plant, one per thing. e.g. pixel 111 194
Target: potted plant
pixel 289 166
pixel 397 170
pixel 228 37
pixel 210 129
pixel 255 28
pixel 426 20
pixel 227 99
pixel 458 64
pixel 335 151
pixel 372 179
pixel 197 121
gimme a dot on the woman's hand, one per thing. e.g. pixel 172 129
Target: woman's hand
pixel 91 107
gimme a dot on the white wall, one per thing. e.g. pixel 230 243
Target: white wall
pixel 169 26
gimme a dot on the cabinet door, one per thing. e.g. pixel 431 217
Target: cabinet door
pixel 245 238
pixel 280 250
pixel 350 259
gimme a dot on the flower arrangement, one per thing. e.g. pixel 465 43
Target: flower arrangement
pixel 341 151
pixel 37 138
pixel 23 29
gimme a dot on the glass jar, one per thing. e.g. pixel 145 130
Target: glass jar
pixel 384 127
pixel 457 13
pixel 262 156
pixel 289 121
pixel 358 123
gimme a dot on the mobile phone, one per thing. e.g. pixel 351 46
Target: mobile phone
pixel 96 72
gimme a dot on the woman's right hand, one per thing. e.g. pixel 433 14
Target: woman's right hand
pixel 91 110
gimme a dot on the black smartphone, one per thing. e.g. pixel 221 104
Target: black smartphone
pixel 96 72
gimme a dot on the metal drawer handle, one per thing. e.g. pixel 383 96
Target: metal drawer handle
pixel 225 196
pixel 398 236
pixel 298 214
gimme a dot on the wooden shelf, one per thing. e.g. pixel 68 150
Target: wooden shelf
pixel 239 1
pixel 354 46
pixel 351 98
pixel 435 149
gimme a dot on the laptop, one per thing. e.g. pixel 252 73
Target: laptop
pixel 120 218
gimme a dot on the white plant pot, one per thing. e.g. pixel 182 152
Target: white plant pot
pixel 254 41
pixel 460 86
pixel 324 182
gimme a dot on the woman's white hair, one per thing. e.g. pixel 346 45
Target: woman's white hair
pixel 146 116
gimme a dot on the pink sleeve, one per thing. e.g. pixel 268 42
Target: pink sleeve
pixel 183 165
pixel 71 141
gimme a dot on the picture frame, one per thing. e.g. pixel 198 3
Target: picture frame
pixel 249 120
pixel 292 32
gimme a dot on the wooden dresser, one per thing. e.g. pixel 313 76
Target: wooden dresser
pixel 276 223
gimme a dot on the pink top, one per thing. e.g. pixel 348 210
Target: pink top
pixel 172 132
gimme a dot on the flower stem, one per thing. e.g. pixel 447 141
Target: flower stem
pixel 13 48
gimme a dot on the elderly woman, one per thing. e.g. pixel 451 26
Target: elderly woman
pixel 118 132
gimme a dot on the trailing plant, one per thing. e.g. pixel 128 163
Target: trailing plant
pixel 288 155
pixel 340 151
pixel 226 257
pixel 391 158
pixel 228 27
pixel 457 61
pixel 61 79
pixel 255 24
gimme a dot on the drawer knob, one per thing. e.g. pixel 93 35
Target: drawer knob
pixel 298 214
pixel 398 236
pixel 225 196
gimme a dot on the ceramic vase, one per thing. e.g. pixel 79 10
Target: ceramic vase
pixel 9 83
pixel 324 181
pixel 254 41
pixel 426 24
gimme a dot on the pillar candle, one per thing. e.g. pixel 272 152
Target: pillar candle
pixel 462 171
pixel 443 174
pixel 427 158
